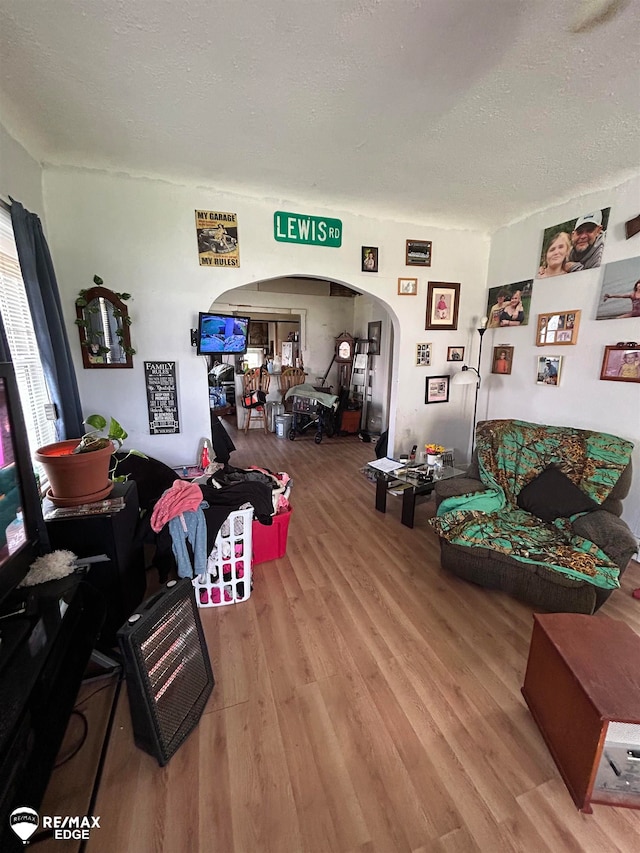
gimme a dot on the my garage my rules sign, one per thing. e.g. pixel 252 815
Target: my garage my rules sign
pixel 217 234
pixel 310 230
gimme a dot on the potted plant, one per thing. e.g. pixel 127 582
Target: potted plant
pixel 82 470
pixel 434 453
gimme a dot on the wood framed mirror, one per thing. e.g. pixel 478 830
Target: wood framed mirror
pixel 103 323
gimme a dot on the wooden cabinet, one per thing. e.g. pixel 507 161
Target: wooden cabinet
pixel 582 686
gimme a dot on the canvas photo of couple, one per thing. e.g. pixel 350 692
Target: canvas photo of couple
pixel 574 245
pixel 508 305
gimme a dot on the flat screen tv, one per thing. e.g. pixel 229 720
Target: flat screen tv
pixel 23 535
pixel 222 333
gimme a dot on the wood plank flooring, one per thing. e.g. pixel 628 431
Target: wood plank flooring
pixel 365 700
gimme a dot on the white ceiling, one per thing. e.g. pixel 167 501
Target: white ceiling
pixel 458 112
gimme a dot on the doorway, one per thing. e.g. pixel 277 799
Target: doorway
pixel 317 310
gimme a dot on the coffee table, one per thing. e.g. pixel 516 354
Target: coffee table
pixel 414 480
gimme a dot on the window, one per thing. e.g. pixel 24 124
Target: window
pixel 22 340
pixel 254 357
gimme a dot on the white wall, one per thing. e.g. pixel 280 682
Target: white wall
pixel 581 399
pixel 20 174
pixel 139 236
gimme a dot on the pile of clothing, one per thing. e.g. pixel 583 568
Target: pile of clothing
pixel 193 511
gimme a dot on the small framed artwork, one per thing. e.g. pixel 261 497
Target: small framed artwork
pixel 549 367
pixel 407 286
pixel 502 359
pixel 437 389
pixel 369 259
pixel 258 334
pixel 455 353
pixel 374 331
pixel 423 355
pixel 557 329
pixel 621 363
pixel 442 305
pixel 418 253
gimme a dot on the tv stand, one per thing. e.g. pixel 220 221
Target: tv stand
pixel 13 632
pixel 41 669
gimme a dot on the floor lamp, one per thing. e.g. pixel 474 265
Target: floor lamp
pixel 471 376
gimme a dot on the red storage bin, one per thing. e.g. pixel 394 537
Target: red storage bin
pixel 270 540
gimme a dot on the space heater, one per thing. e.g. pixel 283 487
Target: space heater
pixel 167 669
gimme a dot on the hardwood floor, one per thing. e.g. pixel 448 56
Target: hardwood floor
pixel 365 700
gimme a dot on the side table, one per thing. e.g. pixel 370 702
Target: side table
pixel 121 578
pixel 582 686
pixel 415 481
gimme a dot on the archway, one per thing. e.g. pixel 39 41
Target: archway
pixel 327 307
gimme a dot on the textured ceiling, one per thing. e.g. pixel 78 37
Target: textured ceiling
pixel 459 112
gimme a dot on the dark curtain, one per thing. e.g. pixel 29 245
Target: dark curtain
pixel 5 353
pixel 46 311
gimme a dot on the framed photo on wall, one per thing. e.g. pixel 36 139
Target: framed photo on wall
pixel 509 304
pixel 407 287
pixel 418 253
pixel 369 259
pixel 258 334
pixel 455 353
pixel 574 245
pixel 620 291
pixel 442 305
pixel 621 363
pixel 559 329
pixel 423 355
pixel 549 368
pixel 374 331
pixel 502 360
pixel 437 389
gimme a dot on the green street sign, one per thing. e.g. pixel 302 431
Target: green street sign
pixel 312 230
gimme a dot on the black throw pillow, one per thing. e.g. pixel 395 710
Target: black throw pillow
pixel 552 495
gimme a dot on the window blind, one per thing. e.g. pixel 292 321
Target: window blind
pixel 22 340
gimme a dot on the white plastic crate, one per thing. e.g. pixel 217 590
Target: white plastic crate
pixel 228 576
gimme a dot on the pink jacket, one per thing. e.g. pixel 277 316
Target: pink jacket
pixel 181 497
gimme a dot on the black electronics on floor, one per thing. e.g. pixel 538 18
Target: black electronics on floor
pixel 121 578
pixel 167 667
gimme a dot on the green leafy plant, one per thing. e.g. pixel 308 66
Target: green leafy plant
pixel 104 433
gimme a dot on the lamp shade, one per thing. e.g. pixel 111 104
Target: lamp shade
pixel 466 376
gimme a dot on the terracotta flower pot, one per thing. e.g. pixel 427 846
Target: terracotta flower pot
pixel 75 478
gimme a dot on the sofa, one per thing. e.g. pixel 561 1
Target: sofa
pixel 537 514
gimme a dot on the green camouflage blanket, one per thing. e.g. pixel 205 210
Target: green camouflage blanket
pixel 511 453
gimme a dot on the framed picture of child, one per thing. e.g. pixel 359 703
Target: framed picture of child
pixel 620 291
pixel 442 305
pixel 369 259
pixel 621 363
pixel 502 360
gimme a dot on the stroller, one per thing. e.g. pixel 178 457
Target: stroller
pixel 312 407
